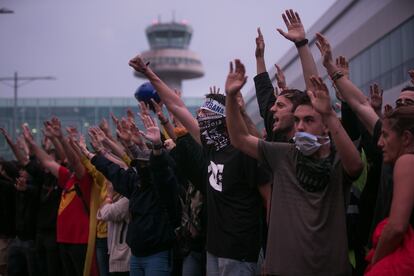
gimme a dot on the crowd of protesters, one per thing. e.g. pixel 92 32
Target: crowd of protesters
pixel 210 194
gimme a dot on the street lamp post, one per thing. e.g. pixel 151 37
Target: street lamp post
pixel 5 10
pixel 17 82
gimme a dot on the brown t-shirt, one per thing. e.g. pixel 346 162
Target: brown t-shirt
pixel 307 230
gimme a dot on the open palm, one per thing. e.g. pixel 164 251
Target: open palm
pixel 236 78
pixel 295 32
pixel 321 101
pixel 152 131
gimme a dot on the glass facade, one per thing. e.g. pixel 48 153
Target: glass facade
pixel 169 35
pixel 174 61
pixel 78 112
pixel 387 61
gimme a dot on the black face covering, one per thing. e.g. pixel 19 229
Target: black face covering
pixel 313 174
pixel 213 131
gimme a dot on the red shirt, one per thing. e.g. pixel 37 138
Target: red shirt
pixel 73 220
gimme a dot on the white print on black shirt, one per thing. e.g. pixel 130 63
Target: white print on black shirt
pixel 216 176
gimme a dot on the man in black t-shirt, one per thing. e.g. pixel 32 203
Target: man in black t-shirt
pixel 233 202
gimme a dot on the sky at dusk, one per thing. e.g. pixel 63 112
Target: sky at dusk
pixel 86 44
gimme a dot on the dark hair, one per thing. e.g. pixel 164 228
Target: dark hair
pixel 51 151
pixel 217 97
pixel 297 97
pixel 408 88
pixel 401 119
pixel 11 168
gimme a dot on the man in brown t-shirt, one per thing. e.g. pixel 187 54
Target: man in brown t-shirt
pixel 307 230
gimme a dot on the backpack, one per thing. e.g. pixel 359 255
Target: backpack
pixel 190 226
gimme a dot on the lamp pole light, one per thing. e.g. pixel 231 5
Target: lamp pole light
pixel 5 10
pixel 17 82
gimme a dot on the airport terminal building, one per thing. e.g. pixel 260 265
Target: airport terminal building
pixel 78 112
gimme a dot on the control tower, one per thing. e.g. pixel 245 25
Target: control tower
pixel 169 55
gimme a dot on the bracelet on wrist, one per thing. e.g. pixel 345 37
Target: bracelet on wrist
pixel 157 146
pixel 337 75
pixel 301 43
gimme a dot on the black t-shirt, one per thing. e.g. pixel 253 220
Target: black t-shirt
pixel 7 208
pixel 49 197
pixel 230 179
pixel 233 205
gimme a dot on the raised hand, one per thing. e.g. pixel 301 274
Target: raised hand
pixel 159 113
pixel 152 133
pixel 48 130
pixel 157 107
pixel 296 32
pixel 136 136
pixel 260 44
pixel 375 97
pixel 104 126
pixel 214 90
pixel 6 135
pixel 56 126
pixel 144 108
pixel 236 79
pixel 387 109
pixel 82 143
pixel 114 119
pixel 321 101
pixel 22 145
pixel 138 64
pixel 99 134
pixel 46 143
pixel 325 48
pixel 27 134
pixel 73 132
pixel 130 116
pixel 95 142
pixel 280 78
pixel 342 64
pixel 123 132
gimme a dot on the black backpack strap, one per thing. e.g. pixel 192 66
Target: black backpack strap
pixel 79 193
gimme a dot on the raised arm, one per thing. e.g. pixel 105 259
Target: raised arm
pixel 23 160
pixel 259 53
pixel 45 160
pixel 401 208
pixel 350 93
pixel 263 85
pixel 73 159
pixel 375 98
pixel 96 142
pixel 321 102
pixel 171 100
pixel 115 147
pixel 49 133
pixel 296 34
pixel 165 122
pixel 246 118
pixel 239 134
